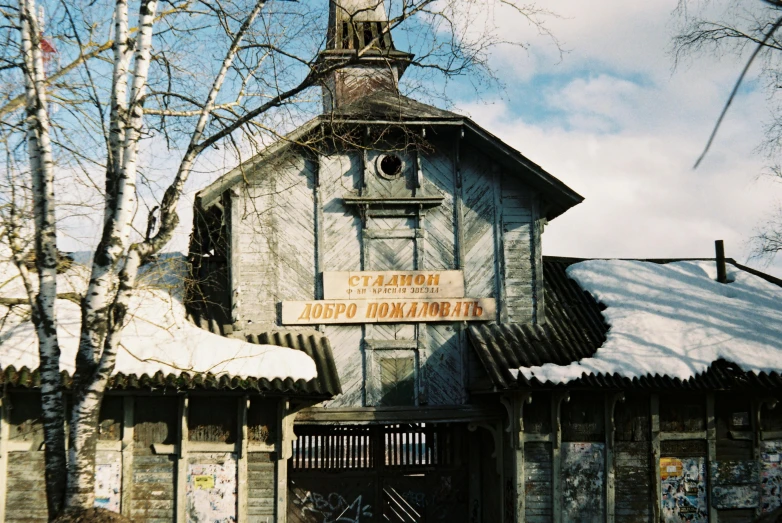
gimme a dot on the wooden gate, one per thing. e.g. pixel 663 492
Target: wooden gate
pixel 401 473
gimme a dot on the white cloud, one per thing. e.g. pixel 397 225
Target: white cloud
pixel 615 123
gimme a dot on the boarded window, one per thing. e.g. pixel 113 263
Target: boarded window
pixel 583 418
pixel 155 420
pixel 262 421
pixel 212 419
pixel 110 426
pixel 397 381
pixel 631 418
pixel 25 417
pixel 733 414
pixel 537 414
pixel 771 419
pixel 682 413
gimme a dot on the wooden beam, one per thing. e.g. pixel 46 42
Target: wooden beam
pixel 128 424
pixel 656 449
pixel 556 454
pixel 458 205
pixel 518 476
pixel 711 452
pixel 5 434
pixel 682 436
pixel 234 261
pixel 475 480
pixel 181 471
pixel 432 414
pixel 499 249
pixel 284 451
pixel 242 494
pixel 610 469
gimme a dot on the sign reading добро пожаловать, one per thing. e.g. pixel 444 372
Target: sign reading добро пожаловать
pixel 390 297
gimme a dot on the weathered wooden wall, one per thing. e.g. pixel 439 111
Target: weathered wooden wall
pixel 225 467
pixel 290 223
pixel 644 458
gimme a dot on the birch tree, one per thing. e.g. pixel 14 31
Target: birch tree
pixel 193 76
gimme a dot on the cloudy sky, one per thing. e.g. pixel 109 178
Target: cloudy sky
pixel 613 120
pixel 619 125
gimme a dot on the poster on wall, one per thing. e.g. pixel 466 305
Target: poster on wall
pixel 211 489
pixel 683 490
pixel 771 474
pixel 583 487
pixel 108 481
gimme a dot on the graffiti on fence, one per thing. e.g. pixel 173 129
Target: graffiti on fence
pixel 333 508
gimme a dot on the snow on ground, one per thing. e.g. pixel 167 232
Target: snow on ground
pixel 675 319
pixel 158 336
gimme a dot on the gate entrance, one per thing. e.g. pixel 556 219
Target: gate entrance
pixel 401 473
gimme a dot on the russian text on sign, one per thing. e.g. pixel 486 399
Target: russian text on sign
pixel 367 285
pixel 387 311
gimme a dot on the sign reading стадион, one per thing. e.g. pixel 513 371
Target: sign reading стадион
pixel 387 311
pixel 407 285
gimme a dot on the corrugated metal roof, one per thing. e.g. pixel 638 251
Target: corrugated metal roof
pixel 575 329
pixel 316 346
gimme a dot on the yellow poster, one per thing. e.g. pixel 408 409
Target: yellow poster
pixel 204 482
pixel 670 468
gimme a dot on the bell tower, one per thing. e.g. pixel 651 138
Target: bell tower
pixel 360 33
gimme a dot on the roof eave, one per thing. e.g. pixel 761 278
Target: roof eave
pixel 560 196
pixel 212 192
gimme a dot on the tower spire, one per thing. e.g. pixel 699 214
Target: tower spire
pixel 359 30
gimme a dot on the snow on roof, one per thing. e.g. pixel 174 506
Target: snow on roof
pixel 675 320
pixel 158 336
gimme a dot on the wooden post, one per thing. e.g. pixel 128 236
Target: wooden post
pixel 234 262
pixel 181 471
pixel 319 232
pixel 722 273
pixel 241 488
pixel 474 487
pixel 556 455
pixel 610 474
pixel 459 203
pixel 499 249
pixel 518 440
pixel 128 407
pixel 284 452
pixel 711 452
pixel 5 434
pixel 655 426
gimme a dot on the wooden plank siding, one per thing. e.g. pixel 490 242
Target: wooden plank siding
pixel 518 249
pixel 339 175
pixel 478 208
pixel 25 488
pixel 260 488
pixel 275 239
pixel 440 240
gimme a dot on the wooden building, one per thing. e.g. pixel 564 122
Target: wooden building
pixel 399 245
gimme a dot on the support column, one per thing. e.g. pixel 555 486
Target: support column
pixel 610 428
pixel 4 436
pixel 284 453
pixel 711 452
pixel 128 407
pixel 517 439
pixel 556 455
pixel 654 412
pixel 181 471
pixel 241 465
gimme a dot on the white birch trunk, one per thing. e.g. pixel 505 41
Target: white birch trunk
pixel 44 318
pixel 94 364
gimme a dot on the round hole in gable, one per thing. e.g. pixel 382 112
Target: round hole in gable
pixel 391 165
